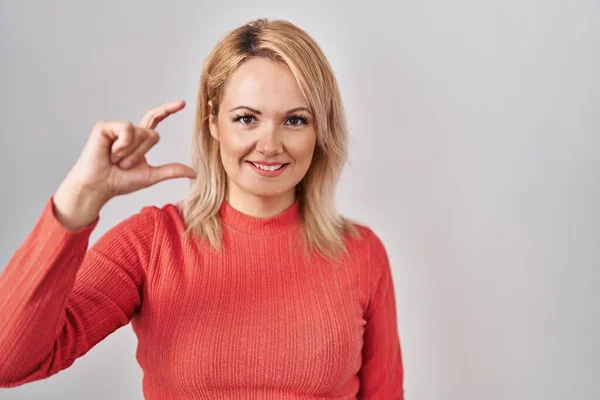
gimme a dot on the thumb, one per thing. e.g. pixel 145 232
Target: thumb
pixel 170 171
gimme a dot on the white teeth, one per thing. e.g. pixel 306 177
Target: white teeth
pixel 268 168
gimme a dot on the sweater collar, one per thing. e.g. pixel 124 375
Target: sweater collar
pixel 237 220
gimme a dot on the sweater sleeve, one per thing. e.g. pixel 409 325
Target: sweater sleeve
pixel 58 299
pixel 381 375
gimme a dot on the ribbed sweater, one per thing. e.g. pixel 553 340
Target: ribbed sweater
pixel 258 320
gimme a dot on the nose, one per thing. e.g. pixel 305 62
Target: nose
pixel 269 142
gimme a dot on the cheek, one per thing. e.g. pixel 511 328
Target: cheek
pixel 234 146
pixel 302 150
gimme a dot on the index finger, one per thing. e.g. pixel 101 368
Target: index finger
pixel 154 116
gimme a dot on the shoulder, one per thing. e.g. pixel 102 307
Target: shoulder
pixel 374 258
pixel 168 217
pixel 140 222
pixel 148 220
pixel 367 248
pixel 366 239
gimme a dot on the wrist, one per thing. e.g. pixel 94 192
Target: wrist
pixel 76 206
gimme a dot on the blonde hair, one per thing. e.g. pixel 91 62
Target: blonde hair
pixel 323 228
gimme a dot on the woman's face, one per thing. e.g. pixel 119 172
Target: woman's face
pixel 265 130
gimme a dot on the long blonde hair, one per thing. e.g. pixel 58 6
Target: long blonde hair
pixel 278 40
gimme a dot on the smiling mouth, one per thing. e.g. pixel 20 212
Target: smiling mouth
pixel 271 168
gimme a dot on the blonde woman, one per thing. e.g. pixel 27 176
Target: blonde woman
pixel 253 286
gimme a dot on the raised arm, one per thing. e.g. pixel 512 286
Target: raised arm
pixel 57 299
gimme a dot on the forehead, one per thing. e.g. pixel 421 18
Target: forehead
pixel 265 85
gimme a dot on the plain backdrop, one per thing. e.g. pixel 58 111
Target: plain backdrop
pixel 475 155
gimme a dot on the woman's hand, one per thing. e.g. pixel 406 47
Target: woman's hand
pixel 113 163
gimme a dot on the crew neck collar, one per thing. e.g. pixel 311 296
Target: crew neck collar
pixel 241 222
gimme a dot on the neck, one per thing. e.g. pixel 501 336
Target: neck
pixel 258 206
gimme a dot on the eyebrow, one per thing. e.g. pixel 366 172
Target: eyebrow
pixel 259 113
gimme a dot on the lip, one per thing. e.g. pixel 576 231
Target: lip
pixel 267 163
pixel 270 174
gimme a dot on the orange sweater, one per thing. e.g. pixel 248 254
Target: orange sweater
pixel 256 321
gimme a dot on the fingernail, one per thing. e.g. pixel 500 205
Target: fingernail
pixel 126 164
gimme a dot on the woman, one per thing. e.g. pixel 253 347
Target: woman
pixel 253 286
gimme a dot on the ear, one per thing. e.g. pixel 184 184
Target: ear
pixel 213 126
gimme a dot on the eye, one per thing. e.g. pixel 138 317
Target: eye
pixel 245 119
pixel 297 120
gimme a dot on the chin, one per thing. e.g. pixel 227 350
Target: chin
pixel 265 191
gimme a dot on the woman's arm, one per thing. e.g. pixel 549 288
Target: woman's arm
pixel 57 299
pixel 382 374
